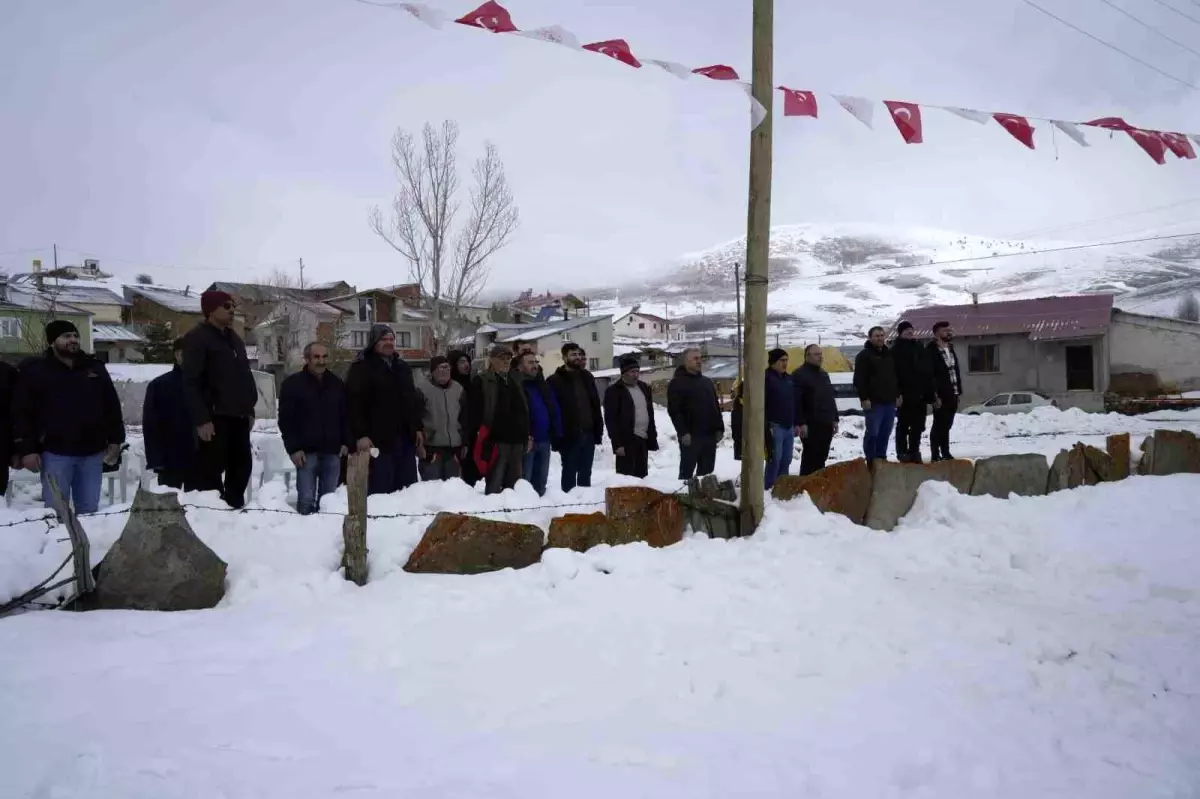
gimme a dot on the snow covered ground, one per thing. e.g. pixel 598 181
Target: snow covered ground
pixel 1020 647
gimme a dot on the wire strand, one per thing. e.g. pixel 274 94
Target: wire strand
pixel 1170 7
pixel 1150 27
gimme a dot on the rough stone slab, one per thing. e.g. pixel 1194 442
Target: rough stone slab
pixel 1100 463
pixel 1146 464
pixel 894 487
pixel 459 544
pixel 1118 449
pixel 580 531
pixel 1070 470
pixel 843 488
pixel 1002 475
pixel 1171 452
pixel 158 563
pixel 637 513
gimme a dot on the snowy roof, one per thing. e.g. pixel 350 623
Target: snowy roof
pixel 535 332
pixel 114 333
pixel 253 292
pixel 1043 318
pixel 643 314
pixel 606 373
pixel 87 295
pixel 19 298
pixel 172 299
pixel 138 372
pixel 319 309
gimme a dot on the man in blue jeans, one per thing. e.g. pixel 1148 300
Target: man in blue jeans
pixel 67 419
pixel 545 422
pixel 780 402
pixel 582 422
pixel 314 423
pixel 879 392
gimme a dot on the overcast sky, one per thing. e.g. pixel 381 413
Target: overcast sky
pixel 219 139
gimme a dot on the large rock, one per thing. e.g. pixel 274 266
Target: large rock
pixel 637 513
pixel 458 544
pixel 843 488
pixel 158 563
pixel 580 531
pixel 894 487
pixel 1118 449
pixel 1100 463
pixel 1002 475
pixel 1070 470
pixel 1170 452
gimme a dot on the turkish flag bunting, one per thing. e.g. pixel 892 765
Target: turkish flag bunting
pixel 717 72
pixel 1151 142
pixel 1112 123
pixel 1019 127
pixel 907 117
pixel 1178 144
pixel 798 103
pixel 490 16
pixel 615 48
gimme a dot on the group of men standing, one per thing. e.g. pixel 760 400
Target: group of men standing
pixel 800 405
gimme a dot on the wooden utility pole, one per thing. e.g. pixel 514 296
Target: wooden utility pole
pixel 737 291
pixel 354 526
pixel 301 274
pixel 758 241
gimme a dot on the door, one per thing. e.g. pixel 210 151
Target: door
pixel 1080 369
pixel 997 404
pixel 1020 403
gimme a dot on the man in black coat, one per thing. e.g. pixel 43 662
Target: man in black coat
pixel 629 418
pixel 67 419
pixel 8 388
pixel 385 412
pixel 878 391
pixel 583 424
pixel 167 428
pixel 696 415
pixel 915 377
pixel 221 395
pixel 498 411
pixel 947 385
pixel 314 421
pixel 816 410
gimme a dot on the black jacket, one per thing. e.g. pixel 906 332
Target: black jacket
pixel 67 410
pixel 8 388
pixel 167 427
pixel 498 402
pixel 619 412
pixel 875 376
pixel 313 414
pixel 942 385
pixel 737 419
pixel 914 372
pixel 693 406
pixel 216 374
pixel 564 383
pixel 382 400
pixel 815 401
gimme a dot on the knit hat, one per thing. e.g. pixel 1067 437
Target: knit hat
pixel 629 364
pixel 437 361
pixel 500 351
pixel 58 328
pixel 776 355
pixel 212 300
pixel 378 332
pixel 905 325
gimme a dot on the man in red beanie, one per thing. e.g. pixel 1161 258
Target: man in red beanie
pixel 221 396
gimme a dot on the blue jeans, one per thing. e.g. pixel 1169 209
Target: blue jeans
pixel 78 478
pixel 577 457
pixel 536 466
pixel 879 422
pixel 783 441
pixel 316 478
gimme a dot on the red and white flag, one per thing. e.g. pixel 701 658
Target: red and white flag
pixel 758 112
pixel 427 14
pixel 490 16
pixel 860 108
pixel 615 48
pixel 554 34
pixel 717 72
pixel 1151 142
pixel 798 103
pixel 1019 127
pixel 1072 132
pixel 675 68
pixel 1194 138
pixel 1110 123
pixel 970 114
pixel 1178 144
pixel 907 117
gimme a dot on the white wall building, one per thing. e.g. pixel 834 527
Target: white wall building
pixel 638 324
pixel 593 333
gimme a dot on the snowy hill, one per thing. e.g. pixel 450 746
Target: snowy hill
pixel 834 281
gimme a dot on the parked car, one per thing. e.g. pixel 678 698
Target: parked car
pixel 1011 402
pixel 844 393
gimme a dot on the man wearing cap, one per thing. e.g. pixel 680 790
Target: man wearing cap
pixel 314 424
pixel 816 410
pixel 780 407
pixel 629 418
pixel 385 412
pixel 582 420
pixel 914 374
pixel 167 428
pixel 221 395
pixel 444 405
pixel 67 419
pixel 545 419
pixel 499 414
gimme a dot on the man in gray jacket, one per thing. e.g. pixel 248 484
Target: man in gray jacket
pixel 441 456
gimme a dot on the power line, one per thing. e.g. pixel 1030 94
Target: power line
pixel 1112 46
pixel 1085 223
pixel 1150 27
pixel 1170 7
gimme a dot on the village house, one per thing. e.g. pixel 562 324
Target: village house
pixel 593 333
pixel 23 319
pixel 178 309
pixel 292 324
pixel 548 306
pixel 636 323
pixel 1072 349
pixel 399 308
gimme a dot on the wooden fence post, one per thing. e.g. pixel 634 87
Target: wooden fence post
pixel 354 527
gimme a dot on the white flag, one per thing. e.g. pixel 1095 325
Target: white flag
pixel 430 16
pixel 1194 137
pixel 758 112
pixel 862 108
pixel 555 34
pixel 974 116
pixel 678 70
pixel 1073 132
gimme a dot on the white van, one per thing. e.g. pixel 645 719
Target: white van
pixel 847 397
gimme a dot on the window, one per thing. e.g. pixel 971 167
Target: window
pixel 294 340
pixel 983 358
pixel 366 310
pixel 566 336
pixel 593 363
pixel 404 340
pixel 996 401
pixel 266 343
pixel 279 353
pixel 595 336
pixel 641 325
pixel 10 327
pixel 1022 399
pixel 358 338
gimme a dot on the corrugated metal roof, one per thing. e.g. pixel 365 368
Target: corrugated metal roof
pixel 535 332
pixel 39 302
pixel 173 299
pixel 87 295
pixel 1042 318
pixel 115 333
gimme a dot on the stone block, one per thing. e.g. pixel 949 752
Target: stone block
pixel 580 531
pixel 638 513
pixel 1118 449
pixel 1070 470
pixel 894 487
pixel 458 544
pixel 1002 475
pixel 1171 452
pixel 843 488
pixel 1100 463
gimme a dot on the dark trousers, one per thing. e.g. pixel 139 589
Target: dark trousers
pixel 508 468
pixel 223 463
pixel 441 463
pixel 910 424
pixel 636 460
pixel 698 459
pixel 470 471
pixel 818 439
pixel 394 470
pixel 172 478
pixel 577 457
pixel 939 433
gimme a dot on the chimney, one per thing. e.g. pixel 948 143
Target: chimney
pixel 37 273
pixel 187 290
pixel 975 298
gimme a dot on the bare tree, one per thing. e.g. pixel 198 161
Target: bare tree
pixel 144 279
pixel 448 262
pixel 1188 308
